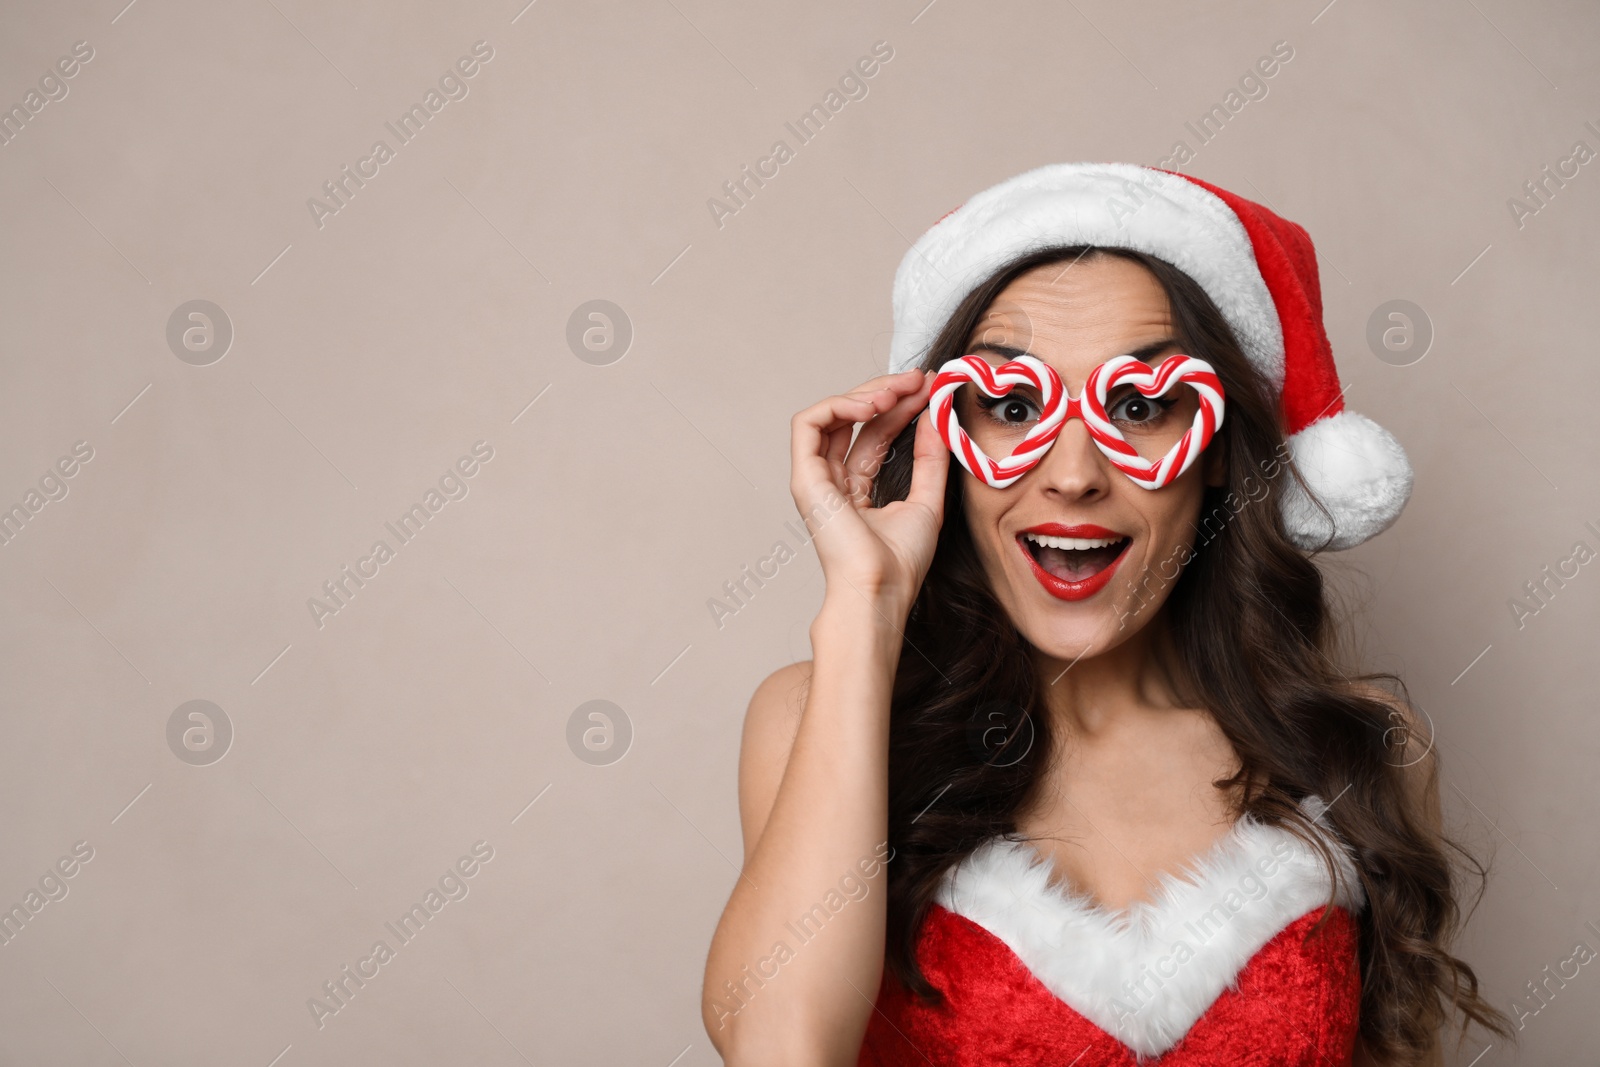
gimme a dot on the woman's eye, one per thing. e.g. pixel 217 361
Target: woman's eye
pixel 1011 409
pixel 1138 408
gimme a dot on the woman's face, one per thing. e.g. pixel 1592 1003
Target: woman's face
pixel 1069 596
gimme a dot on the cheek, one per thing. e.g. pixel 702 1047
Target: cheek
pixel 1184 512
pixel 1173 522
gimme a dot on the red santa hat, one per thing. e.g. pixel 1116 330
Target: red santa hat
pixel 1258 268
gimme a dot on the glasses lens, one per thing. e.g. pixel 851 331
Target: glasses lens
pixel 997 425
pixel 1153 425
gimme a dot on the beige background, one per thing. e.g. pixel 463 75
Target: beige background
pixel 372 752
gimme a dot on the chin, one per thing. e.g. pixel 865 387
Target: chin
pixel 1086 617
pixel 1085 633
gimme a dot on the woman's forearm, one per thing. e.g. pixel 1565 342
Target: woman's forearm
pixel 796 961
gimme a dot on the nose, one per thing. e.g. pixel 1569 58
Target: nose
pixel 1074 468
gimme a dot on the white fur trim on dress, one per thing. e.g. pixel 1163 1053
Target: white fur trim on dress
pixel 1357 469
pixel 1147 973
pixel 1111 204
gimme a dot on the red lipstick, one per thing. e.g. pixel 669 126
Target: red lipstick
pixel 1062 588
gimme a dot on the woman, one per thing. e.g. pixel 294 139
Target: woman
pixel 1073 775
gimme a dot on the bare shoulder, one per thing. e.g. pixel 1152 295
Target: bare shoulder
pixel 770 724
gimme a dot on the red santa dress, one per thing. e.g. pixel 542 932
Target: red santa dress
pixel 1247 960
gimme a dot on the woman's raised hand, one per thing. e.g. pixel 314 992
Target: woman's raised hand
pixel 883 553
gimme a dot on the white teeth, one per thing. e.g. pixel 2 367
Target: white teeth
pixel 1073 542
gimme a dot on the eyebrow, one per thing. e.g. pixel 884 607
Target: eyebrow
pixel 1010 352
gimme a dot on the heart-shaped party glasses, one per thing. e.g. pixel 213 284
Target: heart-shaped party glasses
pixel 1151 423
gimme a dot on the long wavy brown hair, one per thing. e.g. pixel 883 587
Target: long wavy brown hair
pixel 1248 628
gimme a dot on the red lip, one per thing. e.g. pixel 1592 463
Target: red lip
pixel 1060 588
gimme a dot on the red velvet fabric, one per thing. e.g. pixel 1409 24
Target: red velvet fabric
pixel 1295 1005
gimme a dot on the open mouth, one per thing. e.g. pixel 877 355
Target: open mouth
pixel 1072 568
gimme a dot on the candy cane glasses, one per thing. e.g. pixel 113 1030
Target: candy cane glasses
pixel 1151 423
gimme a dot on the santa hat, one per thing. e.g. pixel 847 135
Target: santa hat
pixel 1259 269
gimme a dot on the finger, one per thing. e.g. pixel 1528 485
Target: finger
pixel 875 444
pixel 812 435
pixel 885 400
pixel 827 425
pixel 904 382
pixel 860 405
pixel 820 434
pixel 847 409
pixel 838 447
pixel 930 467
pixel 872 444
pixel 811 426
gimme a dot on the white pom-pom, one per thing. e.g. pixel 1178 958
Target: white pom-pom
pixel 1357 470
